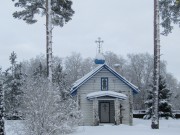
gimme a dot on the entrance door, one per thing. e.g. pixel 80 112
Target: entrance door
pixel 104 112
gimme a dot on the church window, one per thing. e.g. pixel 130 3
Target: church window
pixel 104 83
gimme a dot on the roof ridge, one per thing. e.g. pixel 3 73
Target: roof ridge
pixel 85 78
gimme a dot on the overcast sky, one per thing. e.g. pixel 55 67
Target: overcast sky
pixel 126 26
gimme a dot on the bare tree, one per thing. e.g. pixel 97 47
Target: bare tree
pixel 73 67
pixel 173 85
pixel 87 65
pixel 140 71
pixel 112 59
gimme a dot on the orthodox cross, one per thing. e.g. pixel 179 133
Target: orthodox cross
pixel 99 41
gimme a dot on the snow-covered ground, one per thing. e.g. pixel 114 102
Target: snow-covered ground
pixel 141 127
pixel 14 127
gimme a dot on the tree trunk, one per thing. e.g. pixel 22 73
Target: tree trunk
pixel 155 118
pixel 49 40
pixel 2 130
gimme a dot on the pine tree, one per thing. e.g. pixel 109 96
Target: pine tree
pixel 58 12
pixel 165 108
pixel 170 14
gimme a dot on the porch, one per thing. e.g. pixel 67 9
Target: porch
pixel 107 107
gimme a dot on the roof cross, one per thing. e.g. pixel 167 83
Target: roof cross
pixel 99 41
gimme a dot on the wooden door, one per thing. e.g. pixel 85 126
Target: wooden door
pixel 105 112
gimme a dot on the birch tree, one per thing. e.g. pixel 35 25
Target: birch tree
pixel 140 71
pixel 58 12
pixel 155 119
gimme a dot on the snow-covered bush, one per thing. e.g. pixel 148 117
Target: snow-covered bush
pixel 46 111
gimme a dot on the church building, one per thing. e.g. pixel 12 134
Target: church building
pixel 104 96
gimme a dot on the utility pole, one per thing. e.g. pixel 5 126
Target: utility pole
pixel 49 40
pixel 2 129
pixel 155 118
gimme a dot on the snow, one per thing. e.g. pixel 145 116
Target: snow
pixel 116 65
pixel 14 127
pixel 140 127
pixel 106 93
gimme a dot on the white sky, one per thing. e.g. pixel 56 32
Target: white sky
pixel 126 26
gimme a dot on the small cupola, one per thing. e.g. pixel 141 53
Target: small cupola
pixel 99 59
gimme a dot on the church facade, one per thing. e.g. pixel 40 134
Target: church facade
pixel 104 96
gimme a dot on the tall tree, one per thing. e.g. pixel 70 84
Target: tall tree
pixel 155 119
pixel 170 14
pixel 58 12
pixel 49 40
pixel 2 129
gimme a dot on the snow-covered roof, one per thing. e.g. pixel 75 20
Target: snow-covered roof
pixel 106 93
pixel 84 79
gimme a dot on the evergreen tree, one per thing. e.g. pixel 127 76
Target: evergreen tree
pixel 170 14
pixel 61 10
pixel 58 12
pixel 13 82
pixel 165 108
